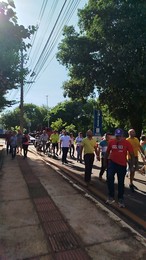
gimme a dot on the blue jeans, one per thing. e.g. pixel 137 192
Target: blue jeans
pixel 64 154
pixel 13 149
pixel 121 172
pixel 79 155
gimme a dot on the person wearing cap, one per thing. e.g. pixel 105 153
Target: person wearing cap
pixel 90 147
pixel 117 153
pixel 136 148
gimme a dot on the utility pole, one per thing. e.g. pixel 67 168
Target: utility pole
pixel 21 93
pixel 48 110
pixel 22 89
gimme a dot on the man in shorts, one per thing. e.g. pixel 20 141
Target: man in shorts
pixel 133 166
pixel 54 137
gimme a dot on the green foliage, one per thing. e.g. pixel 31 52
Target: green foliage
pixel 16 128
pixel 11 42
pixel 108 122
pixel 71 129
pixel 77 113
pixel 34 117
pixel 75 116
pixel 58 125
pixel 109 53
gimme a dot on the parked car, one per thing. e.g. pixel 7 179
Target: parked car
pixel 31 139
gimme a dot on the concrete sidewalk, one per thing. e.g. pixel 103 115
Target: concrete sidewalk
pixel 44 217
pixel 135 201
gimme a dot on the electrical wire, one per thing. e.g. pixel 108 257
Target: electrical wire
pixel 39 63
pixel 70 9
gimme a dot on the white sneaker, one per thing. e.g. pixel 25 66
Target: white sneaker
pixel 110 201
pixel 121 204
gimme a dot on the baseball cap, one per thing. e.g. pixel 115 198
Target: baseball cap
pixel 118 132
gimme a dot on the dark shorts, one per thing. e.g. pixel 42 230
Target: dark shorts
pixel 54 145
pixel 134 165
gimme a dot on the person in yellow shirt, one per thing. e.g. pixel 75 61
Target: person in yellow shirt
pixel 90 146
pixel 136 148
pixel 54 137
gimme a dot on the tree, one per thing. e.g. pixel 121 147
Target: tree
pixel 112 58
pixel 74 112
pixel 12 38
pixel 74 53
pixel 58 125
pixel 34 117
pixel 74 116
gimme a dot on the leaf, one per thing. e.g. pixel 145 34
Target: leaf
pixel 11 3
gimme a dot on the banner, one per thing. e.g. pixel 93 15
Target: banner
pixel 97 124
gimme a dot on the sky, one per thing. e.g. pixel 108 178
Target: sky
pixel 47 87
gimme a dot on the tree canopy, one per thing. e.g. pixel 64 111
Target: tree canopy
pixel 74 116
pixel 109 54
pixel 12 38
pixel 35 117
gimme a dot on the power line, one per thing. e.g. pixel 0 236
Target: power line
pixel 67 10
pixel 47 50
pixel 40 42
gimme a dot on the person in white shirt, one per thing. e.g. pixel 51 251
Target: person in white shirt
pixel 72 147
pixel 65 143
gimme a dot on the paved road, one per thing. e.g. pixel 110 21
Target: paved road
pixel 135 201
pixel 26 232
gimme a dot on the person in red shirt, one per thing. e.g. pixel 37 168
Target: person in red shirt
pixel 117 153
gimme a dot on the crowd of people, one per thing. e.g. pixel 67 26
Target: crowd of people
pixel 118 155
pixel 16 142
pixel 56 143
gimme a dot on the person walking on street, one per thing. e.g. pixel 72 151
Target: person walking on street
pixel 54 137
pixel 65 143
pixel 102 148
pixel 78 142
pixel 19 142
pixel 136 148
pixel 117 153
pixel 25 143
pixel 90 147
pixel 13 144
pixel 143 145
pixel 7 141
pixel 72 147
pixel 44 138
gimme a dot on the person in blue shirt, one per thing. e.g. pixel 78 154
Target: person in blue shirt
pixel 102 149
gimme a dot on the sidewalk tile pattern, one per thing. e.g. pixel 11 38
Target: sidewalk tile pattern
pixel 62 239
